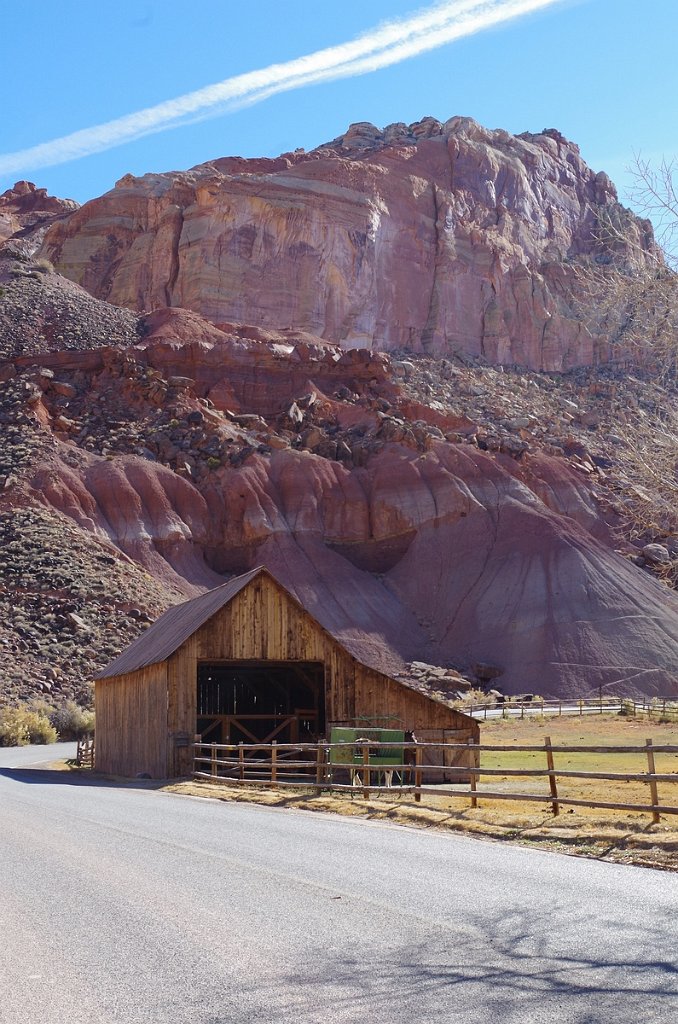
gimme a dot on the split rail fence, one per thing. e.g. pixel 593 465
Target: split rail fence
pixel 321 767
pixel 656 707
pixel 84 754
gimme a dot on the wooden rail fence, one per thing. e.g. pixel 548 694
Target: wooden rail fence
pixel 84 752
pixel 655 707
pixel 275 765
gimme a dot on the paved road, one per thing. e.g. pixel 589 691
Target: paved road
pixel 130 905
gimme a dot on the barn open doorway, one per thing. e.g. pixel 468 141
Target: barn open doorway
pixel 257 702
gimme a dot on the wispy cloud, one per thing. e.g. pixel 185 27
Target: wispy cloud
pixel 387 44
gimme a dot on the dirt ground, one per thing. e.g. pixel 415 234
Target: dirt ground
pixel 627 837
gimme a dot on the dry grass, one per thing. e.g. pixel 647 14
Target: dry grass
pixel 594 730
pixel 622 836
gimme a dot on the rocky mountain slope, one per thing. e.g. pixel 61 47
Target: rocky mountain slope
pixel 438 238
pixel 497 520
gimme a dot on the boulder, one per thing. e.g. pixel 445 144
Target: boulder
pixel 656 554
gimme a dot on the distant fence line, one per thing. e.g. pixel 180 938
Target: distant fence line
pixel 318 767
pixel 659 707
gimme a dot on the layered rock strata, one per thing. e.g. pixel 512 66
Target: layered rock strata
pixel 437 238
pixel 201 451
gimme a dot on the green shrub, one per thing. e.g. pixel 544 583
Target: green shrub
pixel 19 726
pixel 13 732
pixel 71 721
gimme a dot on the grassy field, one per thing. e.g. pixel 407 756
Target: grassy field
pixel 603 730
pixel 622 836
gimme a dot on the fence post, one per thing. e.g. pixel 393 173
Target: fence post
pixel 214 768
pixel 654 797
pixel 581 707
pixel 241 761
pixel 552 779
pixel 320 767
pixel 474 781
pixel 486 712
pixel 274 764
pixel 417 773
pixel 366 771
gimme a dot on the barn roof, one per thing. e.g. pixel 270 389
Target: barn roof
pixel 174 627
pixel 181 621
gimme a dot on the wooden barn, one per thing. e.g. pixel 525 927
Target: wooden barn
pixel 246 662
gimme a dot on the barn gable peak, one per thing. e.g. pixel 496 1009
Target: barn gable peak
pixel 178 623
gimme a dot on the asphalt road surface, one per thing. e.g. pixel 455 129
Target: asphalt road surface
pixel 129 905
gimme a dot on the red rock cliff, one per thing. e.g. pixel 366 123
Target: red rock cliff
pixel 432 237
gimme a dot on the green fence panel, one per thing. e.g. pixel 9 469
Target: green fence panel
pixel 353 755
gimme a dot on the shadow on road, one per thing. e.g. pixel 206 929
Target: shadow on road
pixel 515 970
pixel 57 777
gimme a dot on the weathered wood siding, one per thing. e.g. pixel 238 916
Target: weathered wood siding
pixel 260 624
pixel 146 720
pixel 432 722
pixel 131 730
pixel 377 694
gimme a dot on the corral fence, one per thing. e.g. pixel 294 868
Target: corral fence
pixel 323 767
pixel 84 752
pixel 651 707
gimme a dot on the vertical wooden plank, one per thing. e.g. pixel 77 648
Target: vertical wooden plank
pixel 214 770
pixel 241 761
pixel 417 772
pixel 473 778
pixel 552 779
pixel 274 764
pixel 320 766
pixel 654 796
pixel 366 771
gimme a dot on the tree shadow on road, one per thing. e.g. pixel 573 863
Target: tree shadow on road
pixel 514 971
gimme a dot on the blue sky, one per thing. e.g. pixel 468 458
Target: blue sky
pixel 603 72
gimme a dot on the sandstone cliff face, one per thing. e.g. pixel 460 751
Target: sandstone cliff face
pixel 434 508
pixel 25 208
pixel 432 237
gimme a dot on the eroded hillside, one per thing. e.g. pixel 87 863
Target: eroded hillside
pixel 509 523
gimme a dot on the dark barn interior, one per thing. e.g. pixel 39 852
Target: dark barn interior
pixel 257 702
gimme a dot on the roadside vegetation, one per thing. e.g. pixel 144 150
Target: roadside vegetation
pixel 40 723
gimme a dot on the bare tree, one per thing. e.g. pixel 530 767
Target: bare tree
pixel 654 195
pixel 628 297
pixel 628 285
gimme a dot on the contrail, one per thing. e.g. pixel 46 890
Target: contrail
pixel 387 44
